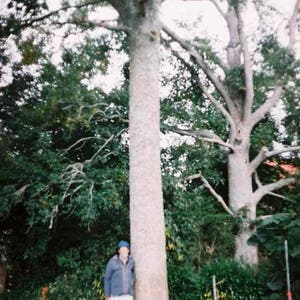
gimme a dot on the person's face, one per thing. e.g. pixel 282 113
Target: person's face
pixel 123 252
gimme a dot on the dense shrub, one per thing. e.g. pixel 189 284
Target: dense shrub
pixel 233 281
pixel 183 283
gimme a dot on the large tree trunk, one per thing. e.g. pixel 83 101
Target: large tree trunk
pixel 241 197
pixel 146 200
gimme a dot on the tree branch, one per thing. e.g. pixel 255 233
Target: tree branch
pixel 259 184
pixel 268 188
pixel 204 135
pixel 219 107
pixel 29 22
pixel 211 190
pixel 82 140
pixel 102 24
pixel 260 113
pixel 197 58
pixel 210 97
pixel 248 68
pixel 293 25
pixel 265 153
pixel 107 25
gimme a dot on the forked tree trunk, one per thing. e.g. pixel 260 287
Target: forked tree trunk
pixel 242 115
pixel 240 199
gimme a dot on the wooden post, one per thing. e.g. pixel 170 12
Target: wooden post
pixel 289 292
pixel 214 287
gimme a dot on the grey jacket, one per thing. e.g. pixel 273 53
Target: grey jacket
pixel 119 278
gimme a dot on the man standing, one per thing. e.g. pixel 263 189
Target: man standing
pixel 120 275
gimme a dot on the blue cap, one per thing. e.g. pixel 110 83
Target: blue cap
pixel 123 244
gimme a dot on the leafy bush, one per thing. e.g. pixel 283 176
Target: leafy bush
pixel 233 281
pixel 183 283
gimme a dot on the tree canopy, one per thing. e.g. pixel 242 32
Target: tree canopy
pixel 230 167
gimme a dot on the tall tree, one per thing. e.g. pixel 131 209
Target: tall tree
pixel 146 201
pixel 140 21
pixel 243 102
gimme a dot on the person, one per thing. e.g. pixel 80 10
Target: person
pixel 120 274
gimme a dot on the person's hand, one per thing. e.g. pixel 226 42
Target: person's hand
pixel 106 298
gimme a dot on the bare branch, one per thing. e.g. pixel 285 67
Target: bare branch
pixel 100 149
pixel 259 184
pixel 211 190
pixel 20 192
pixel 204 135
pixel 248 68
pixel 293 24
pixel 103 24
pixel 53 216
pixel 268 188
pixel 265 153
pixel 55 12
pixel 107 25
pixel 198 59
pixel 284 150
pixel 257 180
pixel 277 195
pixel 104 145
pixel 83 140
pixel 219 106
pixel 260 113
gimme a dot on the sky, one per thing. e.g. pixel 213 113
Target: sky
pixel 212 25
pixel 172 13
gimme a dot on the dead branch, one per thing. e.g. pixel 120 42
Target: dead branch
pixel 247 67
pixel 211 190
pixel 83 140
pixel 265 153
pixel 219 107
pixel 100 149
pixel 198 59
pixel 31 21
pixel 259 184
pixel 204 135
pixel 260 113
pixel 268 188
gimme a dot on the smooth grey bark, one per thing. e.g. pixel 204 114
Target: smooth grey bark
pixel 147 226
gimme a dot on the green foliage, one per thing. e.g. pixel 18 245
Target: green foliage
pixel 278 61
pixel 233 281
pixel 198 230
pixel 237 3
pixel 264 133
pixel 183 282
pixel 271 234
pixel 235 80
